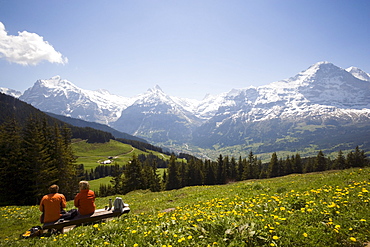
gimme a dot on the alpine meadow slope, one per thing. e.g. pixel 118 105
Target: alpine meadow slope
pixel 323 107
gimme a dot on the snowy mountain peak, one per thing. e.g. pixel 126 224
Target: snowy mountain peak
pixel 56 83
pixel 11 92
pixel 358 73
pixel 156 89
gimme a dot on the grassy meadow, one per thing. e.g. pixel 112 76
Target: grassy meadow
pixel 318 209
pixel 91 154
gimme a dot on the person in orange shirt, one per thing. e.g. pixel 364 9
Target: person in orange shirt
pixel 84 200
pixel 52 204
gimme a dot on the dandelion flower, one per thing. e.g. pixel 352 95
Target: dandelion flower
pixel 275 237
pixel 305 235
pixel 353 239
pixel 133 231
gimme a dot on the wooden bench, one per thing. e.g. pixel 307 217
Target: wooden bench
pixel 80 219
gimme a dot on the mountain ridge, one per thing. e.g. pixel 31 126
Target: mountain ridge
pixel 322 95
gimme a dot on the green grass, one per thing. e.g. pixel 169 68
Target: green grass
pixel 95 184
pixel 319 209
pixel 91 154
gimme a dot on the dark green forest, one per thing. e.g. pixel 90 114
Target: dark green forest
pixel 33 158
pixel 12 108
pixel 139 174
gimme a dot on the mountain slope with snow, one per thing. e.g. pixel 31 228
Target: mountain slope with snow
pixel 324 94
pixel 62 97
pixel 321 101
pixel 157 116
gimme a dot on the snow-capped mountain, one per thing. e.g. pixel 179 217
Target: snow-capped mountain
pixel 62 97
pixel 322 95
pixel 358 73
pixel 155 115
pixel 11 92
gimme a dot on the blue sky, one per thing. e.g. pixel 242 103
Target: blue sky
pixel 188 48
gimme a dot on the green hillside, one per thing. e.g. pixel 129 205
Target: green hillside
pixel 317 209
pixel 91 154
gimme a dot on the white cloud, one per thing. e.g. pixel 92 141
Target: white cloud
pixel 27 48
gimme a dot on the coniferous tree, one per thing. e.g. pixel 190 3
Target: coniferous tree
pixel 273 168
pixel 232 170
pixel 320 162
pixel 360 159
pixel 12 172
pixel 246 169
pixel 220 172
pixel 133 179
pixel 173 180
pixel 225 170
pixel 210 172
pixel 240 169
pixel 340 161
pixel 297 164
pixel 185 172
pixel 164 180
pixel 150 177
pixel 116 180
pixel 288 167
pixel 64 160
pixel 252 163
pixel 41 170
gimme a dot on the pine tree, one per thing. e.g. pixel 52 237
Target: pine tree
pixel 232 170
pixel 273 168
pixel 210 172
pixel 38 163
pixel 220 170
pixel 64 160
pixel 117 179
pixel 288 167
pixel 12 172
pixel 320 162
pixel 225 170
pixel 164 180
pixel 297 164
pixel 240 169
pixel 340 161
pixel 173 180
pixel 360 159
pixel 150 177
pixel 133 179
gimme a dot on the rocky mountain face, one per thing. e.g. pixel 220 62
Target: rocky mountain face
pixel 323 106
pixel 62 97
pixel 315 103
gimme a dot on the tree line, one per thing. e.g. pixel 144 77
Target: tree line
pixel 32 158
pixel 138 175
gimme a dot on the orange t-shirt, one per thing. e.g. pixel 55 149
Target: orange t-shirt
pixel 84 201
pixel 51 205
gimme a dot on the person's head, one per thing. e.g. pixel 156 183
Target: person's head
pixel 84 185
pixel 54 188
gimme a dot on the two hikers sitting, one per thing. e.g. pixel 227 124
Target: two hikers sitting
pixel 52 205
